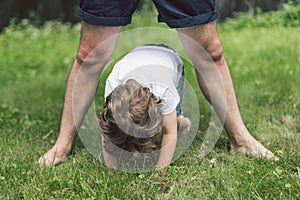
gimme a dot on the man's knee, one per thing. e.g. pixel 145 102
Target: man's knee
pixel 96 41
pixel 82 53
pixel 206 35
pixel 92 53
pixel 215 50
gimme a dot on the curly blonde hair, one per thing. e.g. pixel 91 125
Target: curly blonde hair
pixel 131 118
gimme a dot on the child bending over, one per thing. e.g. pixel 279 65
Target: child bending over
pixel 143 103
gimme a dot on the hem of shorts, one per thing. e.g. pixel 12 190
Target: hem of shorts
pixel 191 21
pixel 102 21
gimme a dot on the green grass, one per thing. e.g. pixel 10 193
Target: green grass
pixel 265 66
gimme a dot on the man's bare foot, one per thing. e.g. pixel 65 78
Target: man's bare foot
pixel 54 157
pixel 251 147
pixel 184 125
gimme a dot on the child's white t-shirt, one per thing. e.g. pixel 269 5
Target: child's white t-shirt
pixel 155 67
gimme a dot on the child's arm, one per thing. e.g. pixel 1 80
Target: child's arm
pixel 169 140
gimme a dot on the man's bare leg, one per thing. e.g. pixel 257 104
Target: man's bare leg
pixel 217 84
pixel 90 70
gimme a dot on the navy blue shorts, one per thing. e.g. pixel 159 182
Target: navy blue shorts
pixel 175 13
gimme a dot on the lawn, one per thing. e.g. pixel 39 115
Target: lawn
pixel 265 67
